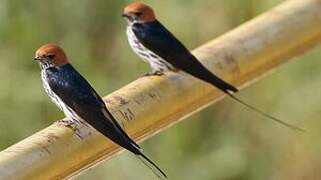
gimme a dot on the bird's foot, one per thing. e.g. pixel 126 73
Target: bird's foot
pixel 68 123
pixel 71 124
pixel 154 73
pixel 174 69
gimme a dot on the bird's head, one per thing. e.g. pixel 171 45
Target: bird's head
pixel 138 13
pixel 50 55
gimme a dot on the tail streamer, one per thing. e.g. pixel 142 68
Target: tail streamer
pixel 264 114
pixel 152 166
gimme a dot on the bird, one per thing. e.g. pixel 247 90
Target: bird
pixel 73 94
pixel 156 45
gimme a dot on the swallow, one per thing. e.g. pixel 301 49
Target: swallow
pixel 72 93
pixel 157 46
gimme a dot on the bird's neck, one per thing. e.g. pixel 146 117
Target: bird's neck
pixel 51 67
pixel 45 65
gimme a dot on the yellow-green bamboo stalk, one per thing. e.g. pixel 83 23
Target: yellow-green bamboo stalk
pixel 150 104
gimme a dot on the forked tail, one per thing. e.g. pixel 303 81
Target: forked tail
pixel 151 165
pixel 230 89
pixel 264 114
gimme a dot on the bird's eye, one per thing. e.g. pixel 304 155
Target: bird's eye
pixel 50 56
pixel 138 13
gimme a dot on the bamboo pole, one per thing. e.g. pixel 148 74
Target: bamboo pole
pixel 150 104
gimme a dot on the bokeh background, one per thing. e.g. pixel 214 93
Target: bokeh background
pixel 223 142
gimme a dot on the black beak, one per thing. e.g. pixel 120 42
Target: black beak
pixel 37 58
pixel 124 15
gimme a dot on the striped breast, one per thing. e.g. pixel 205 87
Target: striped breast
pixel 54 98
pixel 157 63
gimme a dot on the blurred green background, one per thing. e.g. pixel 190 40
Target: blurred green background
pixel 223 142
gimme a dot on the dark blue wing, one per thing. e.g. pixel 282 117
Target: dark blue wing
pixel 155 37
pixel 78 95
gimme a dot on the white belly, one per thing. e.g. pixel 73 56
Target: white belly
pixel 157 63
pixel 54 98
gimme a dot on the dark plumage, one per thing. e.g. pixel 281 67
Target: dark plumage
pixel 155 37
pixel 156 45
pixel 80 102
pixel 80 97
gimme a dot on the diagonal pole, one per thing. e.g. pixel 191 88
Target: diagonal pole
pixel 151 104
